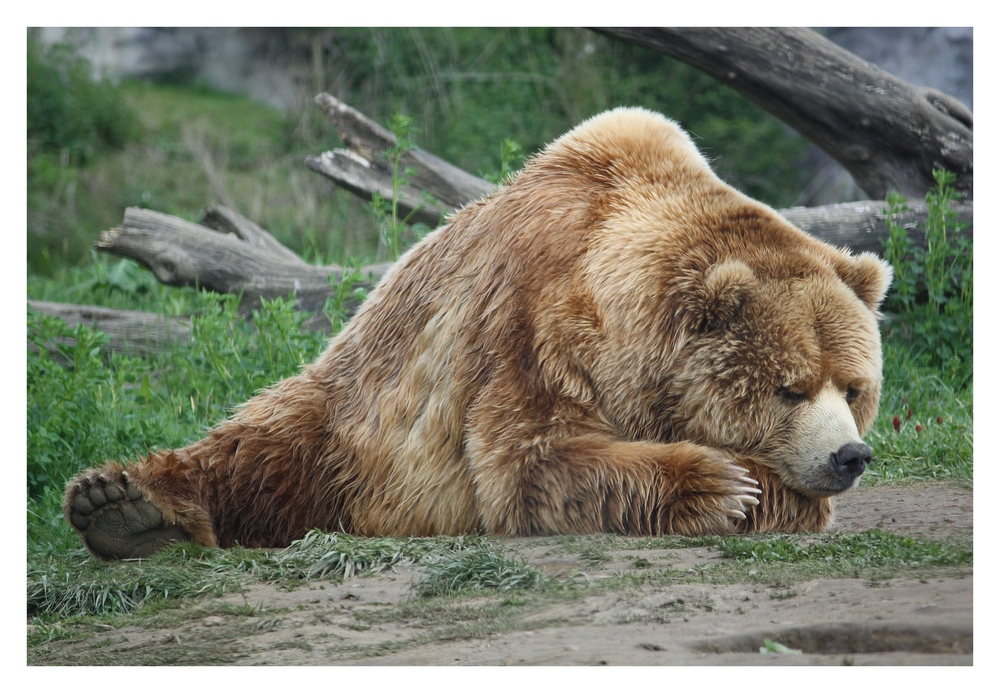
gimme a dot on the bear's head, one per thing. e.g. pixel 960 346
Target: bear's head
pixel 698 314
pixel 783 362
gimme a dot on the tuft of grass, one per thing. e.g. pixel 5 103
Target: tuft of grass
pixel 480 567
pixel 595 557
pixel 74 584
pixel 342 556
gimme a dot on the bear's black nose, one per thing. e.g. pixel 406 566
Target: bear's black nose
pixel 851 459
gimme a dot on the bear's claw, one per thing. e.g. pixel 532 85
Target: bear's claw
pixel 725 492
pixel 115 520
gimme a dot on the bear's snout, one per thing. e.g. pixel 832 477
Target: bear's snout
pixel 851 459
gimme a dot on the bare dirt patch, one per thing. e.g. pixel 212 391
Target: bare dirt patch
pixel 621 619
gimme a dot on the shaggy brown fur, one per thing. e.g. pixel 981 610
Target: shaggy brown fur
pixel 588 349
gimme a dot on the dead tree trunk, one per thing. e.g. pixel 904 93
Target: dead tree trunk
pixel 888 133
pixel 227 253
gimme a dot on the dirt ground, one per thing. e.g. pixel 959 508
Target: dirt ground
pixel 375 620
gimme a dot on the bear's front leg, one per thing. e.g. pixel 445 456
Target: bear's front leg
pixel 593 483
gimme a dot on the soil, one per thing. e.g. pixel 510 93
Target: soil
pixel 914 619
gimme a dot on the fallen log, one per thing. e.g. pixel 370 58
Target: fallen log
pixel 888 133
pixel 130 331
pixel 227 253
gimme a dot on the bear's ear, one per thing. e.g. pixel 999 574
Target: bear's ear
pixel 867 275
pixel 724 288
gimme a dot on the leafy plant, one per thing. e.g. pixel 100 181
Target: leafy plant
pixel 931 297
pixel 346 293
pixel 511 155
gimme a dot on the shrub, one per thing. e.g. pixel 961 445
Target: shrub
pixel 69 113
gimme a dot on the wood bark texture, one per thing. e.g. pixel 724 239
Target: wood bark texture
pixel 227 253
pixel 130 331
pixel 889 134
pixel 363 169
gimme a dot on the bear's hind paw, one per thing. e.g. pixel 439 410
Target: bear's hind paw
pixel 114 518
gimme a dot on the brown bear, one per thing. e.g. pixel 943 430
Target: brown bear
pixel 615 341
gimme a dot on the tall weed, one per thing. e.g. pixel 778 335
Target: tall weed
pixel 925 423
pixel 930 304
pixel 392 226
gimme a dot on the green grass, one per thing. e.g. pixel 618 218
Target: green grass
pixel 873 548
pixel 113 406
pixel 920 396
pixel 482 567
pixel 96 149
pixel 784 560
pixel 70 583
pixel 924 428
pixel 86 404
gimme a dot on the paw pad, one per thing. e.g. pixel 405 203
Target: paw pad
pixel 116 520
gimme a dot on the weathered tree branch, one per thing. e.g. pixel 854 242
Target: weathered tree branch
pixel 889 134
pixel 363 169
pixel 225 220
